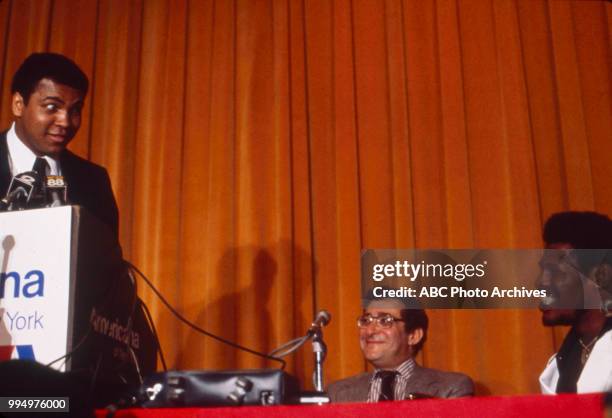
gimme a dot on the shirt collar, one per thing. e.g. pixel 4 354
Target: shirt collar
pixel 404 369
pixel 21 158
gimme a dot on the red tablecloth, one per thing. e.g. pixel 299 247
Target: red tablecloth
pixel 538 406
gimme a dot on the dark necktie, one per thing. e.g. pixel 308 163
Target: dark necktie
pixel 41 166
pixel 387 384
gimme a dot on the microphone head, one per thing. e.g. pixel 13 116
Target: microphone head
pixel 28 178
pixel 56 191
pixel 323 317
pixel 21 190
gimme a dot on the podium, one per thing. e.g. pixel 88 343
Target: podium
pixel 66 298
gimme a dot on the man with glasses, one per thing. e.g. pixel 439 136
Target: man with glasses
pixel 390 337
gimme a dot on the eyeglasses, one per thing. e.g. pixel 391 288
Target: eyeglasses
pixel 383 321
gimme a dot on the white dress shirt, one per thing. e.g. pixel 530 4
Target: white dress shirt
pixel 596 375
pixel 404 372
pixel 21 158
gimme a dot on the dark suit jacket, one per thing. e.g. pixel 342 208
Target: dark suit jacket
pixel 88 185
pixel 424 381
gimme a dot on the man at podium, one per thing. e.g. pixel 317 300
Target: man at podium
pixel 106 343
pixel 48 92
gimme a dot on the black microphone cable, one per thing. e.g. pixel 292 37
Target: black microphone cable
pixel 201 330
pixel 131 400
pixel 89 332
pixel 74 349
pixel 130 324
pixel 134 401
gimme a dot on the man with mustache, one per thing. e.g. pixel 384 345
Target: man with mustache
pixel 390 337
pixel 48 93
pixel 584 361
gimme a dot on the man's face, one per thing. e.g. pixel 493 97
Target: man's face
pixel 385 348
pixel 51 118
pixel 560 279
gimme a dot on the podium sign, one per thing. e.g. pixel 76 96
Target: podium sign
pixel 36 285
pixel 65 294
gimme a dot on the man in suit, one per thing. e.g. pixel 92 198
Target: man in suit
pixel 48 92
pixel 584 361
pixel 390 337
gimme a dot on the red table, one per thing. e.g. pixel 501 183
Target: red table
pixel 540 406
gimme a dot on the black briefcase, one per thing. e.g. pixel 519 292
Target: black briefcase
pixel 217 388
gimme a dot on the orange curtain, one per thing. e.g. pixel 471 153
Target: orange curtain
pixel 256 146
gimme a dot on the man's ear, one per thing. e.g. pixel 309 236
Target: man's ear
pixel 17 105
pixel 415 337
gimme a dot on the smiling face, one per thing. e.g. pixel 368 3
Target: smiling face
pixel 50 119
pixel 387 348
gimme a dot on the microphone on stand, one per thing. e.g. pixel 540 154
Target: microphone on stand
pixel 21 190
pixel 321 319
pixel 56 191
pixel 319 348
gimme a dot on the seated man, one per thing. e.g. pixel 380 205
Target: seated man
pixel 584 361
pixel 390 337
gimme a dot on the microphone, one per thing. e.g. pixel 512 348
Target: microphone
pixel 56 191
pixel 322 319
pixel 20 192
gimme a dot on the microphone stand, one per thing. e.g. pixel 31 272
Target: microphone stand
pixel 319 348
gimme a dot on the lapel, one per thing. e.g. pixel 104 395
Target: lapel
pixel 5 171
pixel 550 377
pixel 420 380
pixel 360 389
pixel 65 163
pixel 70 173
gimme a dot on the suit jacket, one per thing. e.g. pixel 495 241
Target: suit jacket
pixel 423 380
pixel 596 376
pixel 88 185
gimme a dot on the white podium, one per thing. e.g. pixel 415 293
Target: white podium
pixel 65 294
